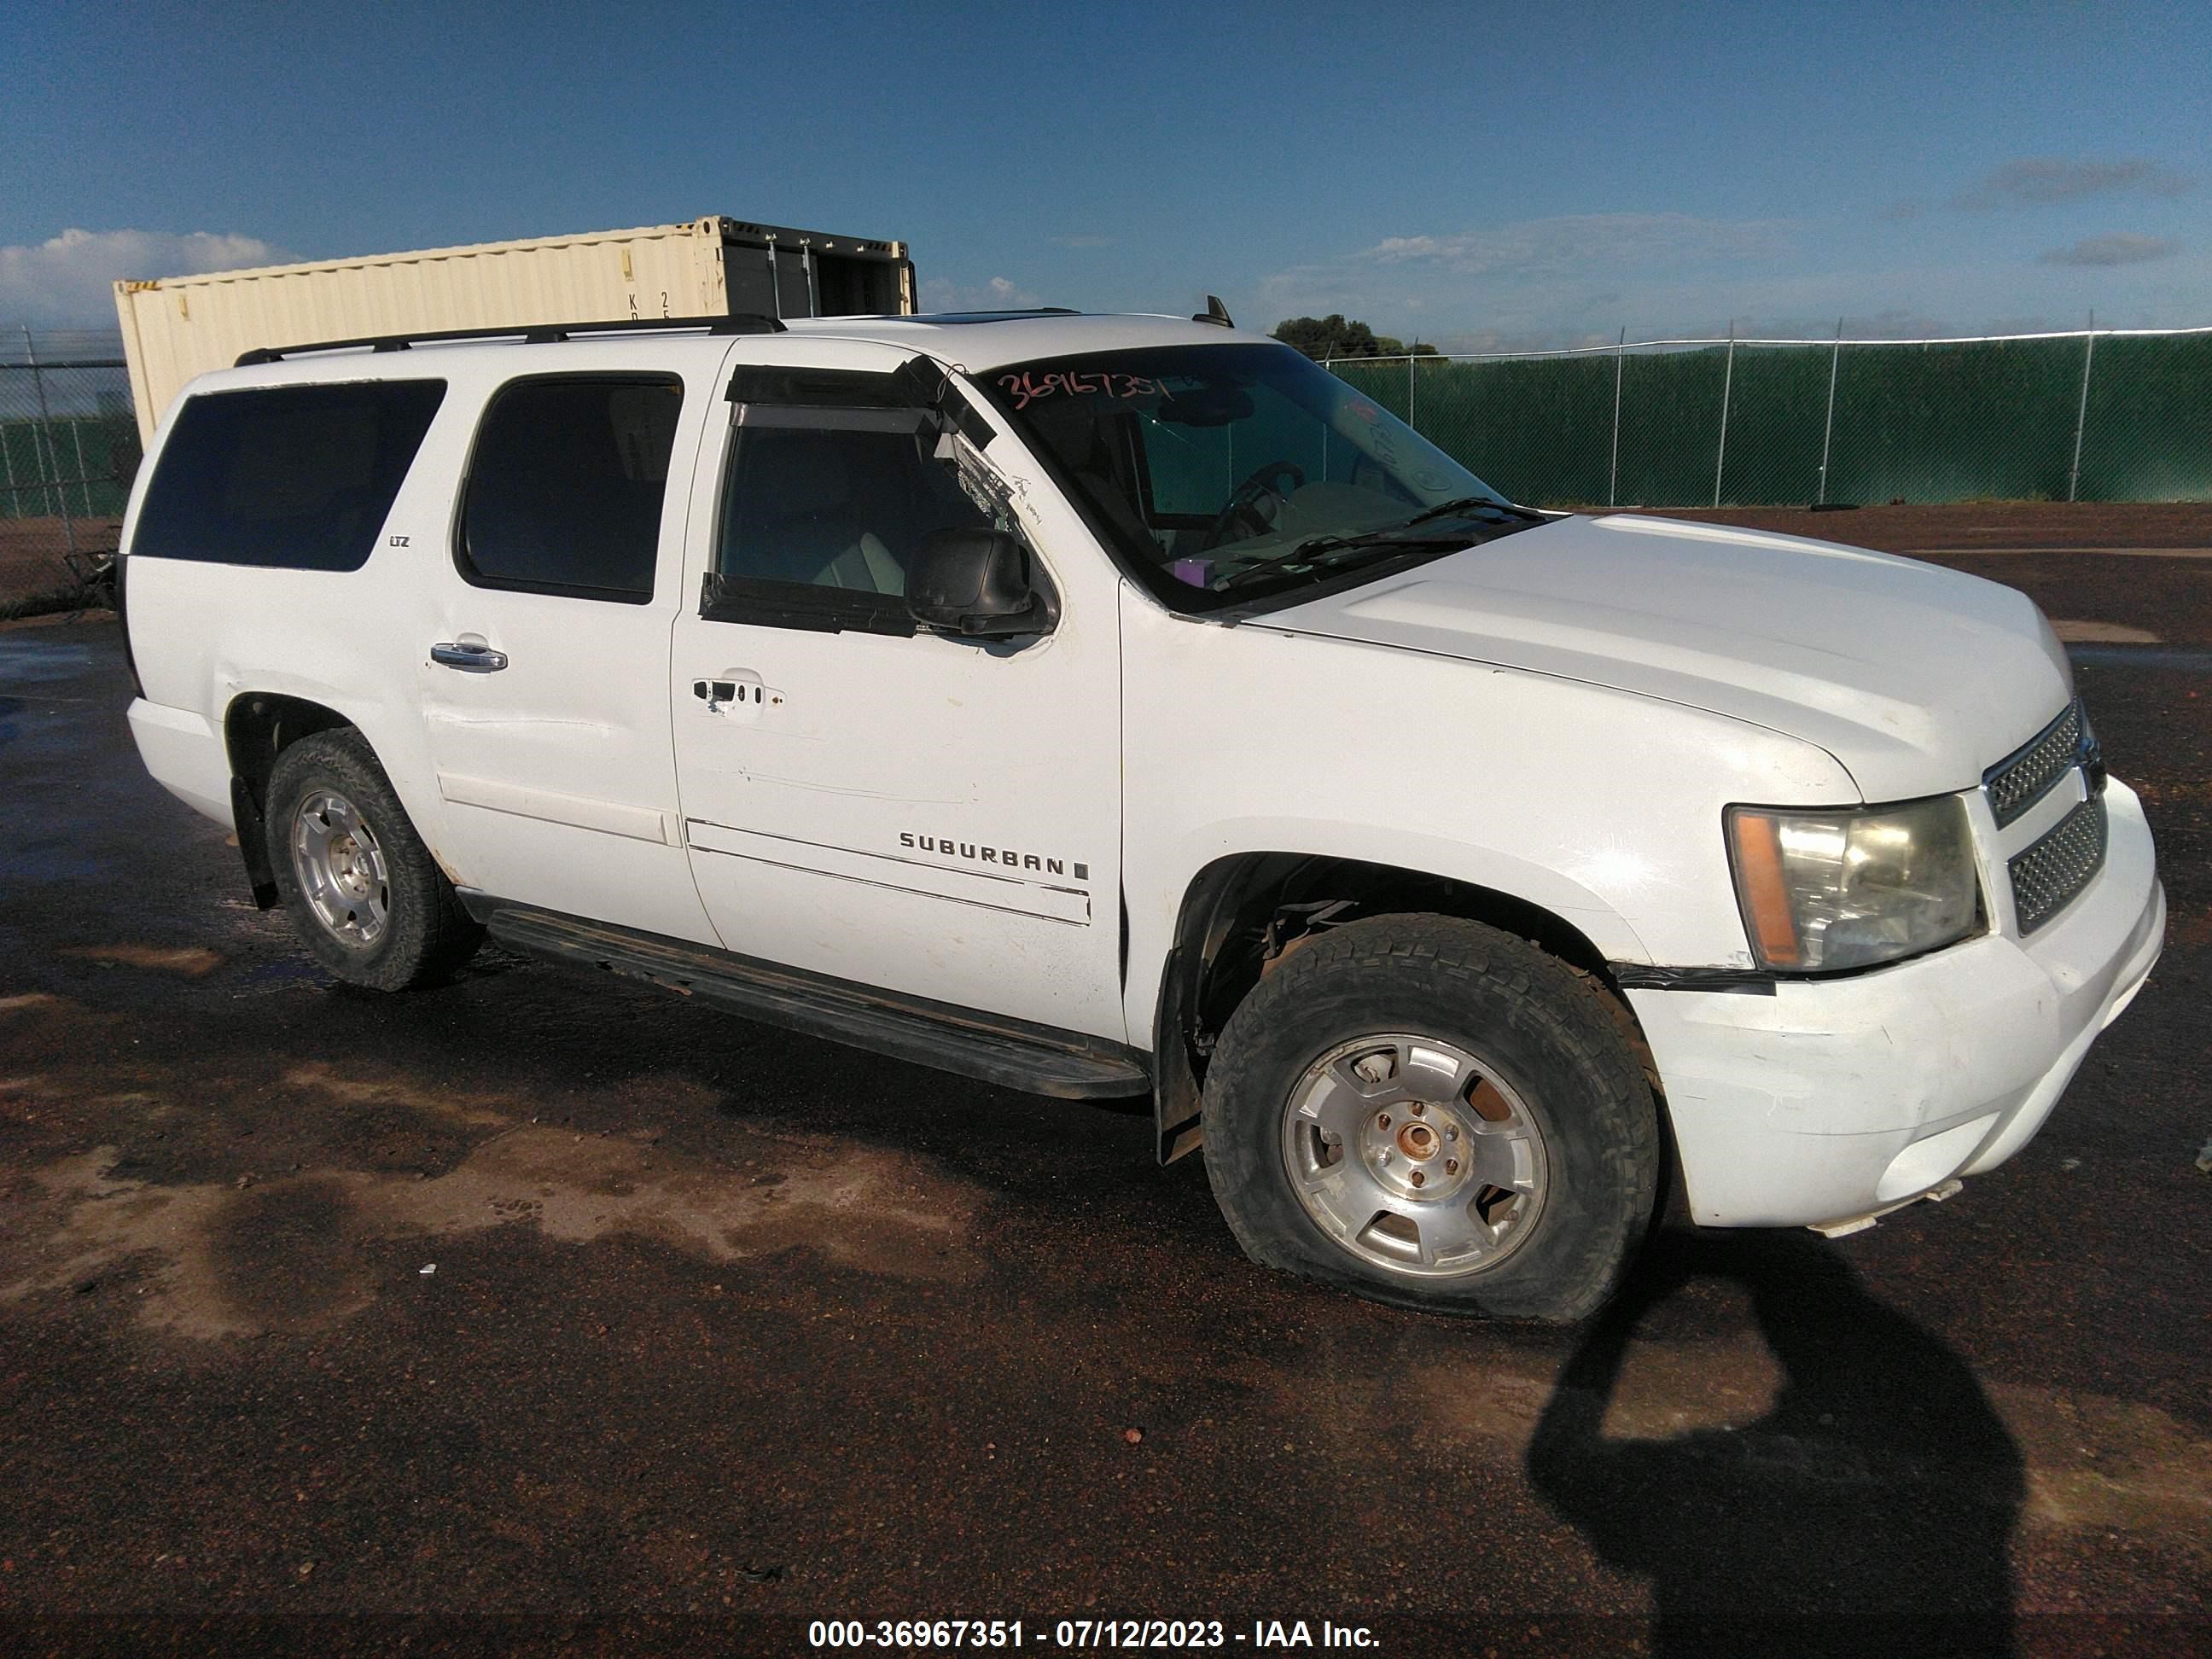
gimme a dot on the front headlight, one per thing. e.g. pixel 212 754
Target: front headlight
pixel 1823 891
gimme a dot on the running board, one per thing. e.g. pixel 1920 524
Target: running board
pixel 989 1047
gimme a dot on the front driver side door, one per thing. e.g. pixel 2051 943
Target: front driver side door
pixel 932 816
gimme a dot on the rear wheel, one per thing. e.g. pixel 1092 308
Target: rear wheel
pixel 1432 1113
pixel 361 889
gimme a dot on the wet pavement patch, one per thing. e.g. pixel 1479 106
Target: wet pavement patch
pixel 43 659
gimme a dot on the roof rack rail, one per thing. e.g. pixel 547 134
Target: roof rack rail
pixel 528 333
pixel 987 316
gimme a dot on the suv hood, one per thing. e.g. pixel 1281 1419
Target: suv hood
pixel 1916 679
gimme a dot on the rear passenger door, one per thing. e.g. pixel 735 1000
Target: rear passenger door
pixel 544 644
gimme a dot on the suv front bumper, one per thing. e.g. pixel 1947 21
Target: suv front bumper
pixel 1832 1099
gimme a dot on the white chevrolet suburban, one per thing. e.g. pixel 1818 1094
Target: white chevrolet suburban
pixel 1106 706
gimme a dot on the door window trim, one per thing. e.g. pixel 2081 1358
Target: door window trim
pixel 761 603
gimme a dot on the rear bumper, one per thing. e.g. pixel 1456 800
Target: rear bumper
pixel 186 756
pixel 1831 1099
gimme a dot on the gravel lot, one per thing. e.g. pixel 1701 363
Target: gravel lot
pixel 729 1330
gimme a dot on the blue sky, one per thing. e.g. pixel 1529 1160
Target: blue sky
pixel 1470 175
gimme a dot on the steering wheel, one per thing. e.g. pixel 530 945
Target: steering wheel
pixel 1243 504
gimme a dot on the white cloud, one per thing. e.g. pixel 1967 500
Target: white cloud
pixel 1580 242
pixel 2042 180
pixel 1536 284
pixel 2123 248
pixel 67 280
pixel 999 293
pixel 1559 278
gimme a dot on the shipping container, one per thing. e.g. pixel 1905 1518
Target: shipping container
pixel 180 326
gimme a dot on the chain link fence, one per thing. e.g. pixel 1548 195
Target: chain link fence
pixel 69 450
pixel 2102 415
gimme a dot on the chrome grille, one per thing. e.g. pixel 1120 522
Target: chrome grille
pixel 2050 872
pixel 2021 779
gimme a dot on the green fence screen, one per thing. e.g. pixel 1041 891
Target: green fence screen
pixel 68 443
pixel 2105 418
pixel 77 465
pixel 2108 418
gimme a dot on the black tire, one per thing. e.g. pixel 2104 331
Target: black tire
pixel 424 934
pixel 1541 1028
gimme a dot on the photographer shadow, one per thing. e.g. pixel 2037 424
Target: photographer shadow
pixel 1870 1508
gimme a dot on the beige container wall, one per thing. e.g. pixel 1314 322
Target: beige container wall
pixel 183 326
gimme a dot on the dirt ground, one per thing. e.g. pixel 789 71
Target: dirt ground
pixel 2159 591
pixel 1960 526
pixel 32 553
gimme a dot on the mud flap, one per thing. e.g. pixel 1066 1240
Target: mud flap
pixel 254 843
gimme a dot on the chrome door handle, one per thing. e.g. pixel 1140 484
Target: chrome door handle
pixel 470 656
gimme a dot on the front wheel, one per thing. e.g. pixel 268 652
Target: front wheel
pixel 1428 1112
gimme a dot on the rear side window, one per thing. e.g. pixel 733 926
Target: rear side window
pixel 298 477
pixel 565 487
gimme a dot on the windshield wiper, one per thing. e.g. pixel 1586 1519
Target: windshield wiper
pixel 1389 537
pixel 1468 504
pixel 1317 548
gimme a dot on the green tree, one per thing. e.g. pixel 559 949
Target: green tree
pixel 1324 337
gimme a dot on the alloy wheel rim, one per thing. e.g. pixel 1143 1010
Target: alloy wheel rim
pixel 1415 1156
pixel 339 865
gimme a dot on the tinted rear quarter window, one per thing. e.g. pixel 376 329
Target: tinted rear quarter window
pixel 297 476
pixel 565 486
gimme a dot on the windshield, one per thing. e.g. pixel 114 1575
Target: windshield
pixel 1233 472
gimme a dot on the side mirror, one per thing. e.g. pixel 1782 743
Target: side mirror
pixel 976 583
